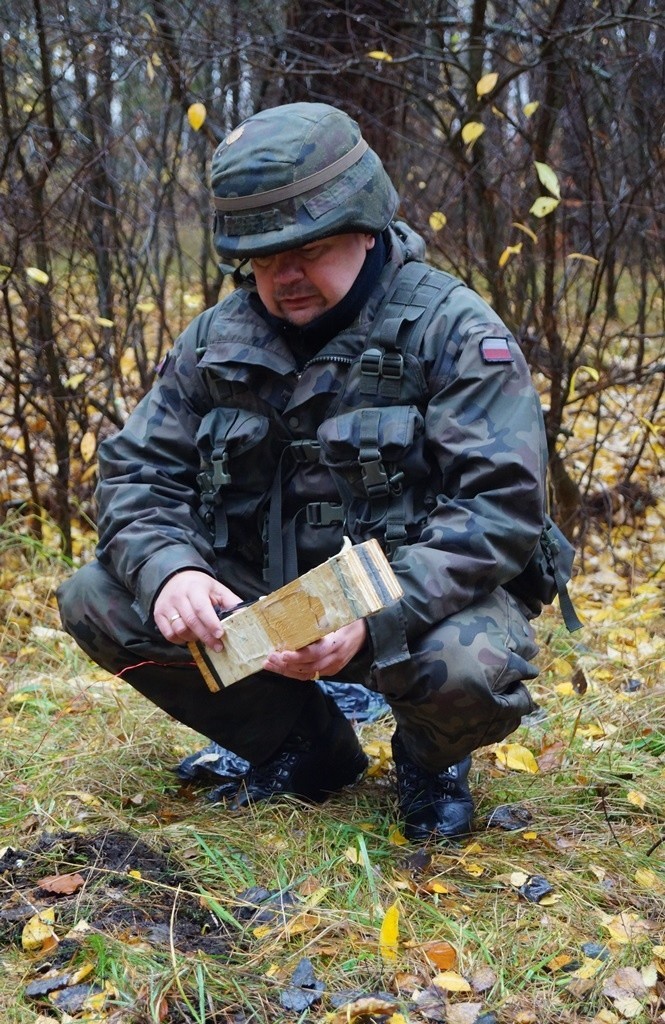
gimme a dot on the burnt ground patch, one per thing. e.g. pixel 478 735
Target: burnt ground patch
pixel 130 889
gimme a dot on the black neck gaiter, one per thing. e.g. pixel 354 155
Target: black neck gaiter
pixel 307 340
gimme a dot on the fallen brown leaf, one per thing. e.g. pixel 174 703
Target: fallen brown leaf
pixel 62 884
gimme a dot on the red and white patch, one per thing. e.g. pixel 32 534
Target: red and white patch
pixel 495 350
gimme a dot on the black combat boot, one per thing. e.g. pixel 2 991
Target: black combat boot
pixel 321 755
pixel 434 805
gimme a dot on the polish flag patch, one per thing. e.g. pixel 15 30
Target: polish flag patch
pixel 495 350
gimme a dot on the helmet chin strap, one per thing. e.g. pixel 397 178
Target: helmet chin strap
pixel 240 279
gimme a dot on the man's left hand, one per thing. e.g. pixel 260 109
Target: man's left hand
pixel 324 658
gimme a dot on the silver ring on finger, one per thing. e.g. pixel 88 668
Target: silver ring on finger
pixel 174 617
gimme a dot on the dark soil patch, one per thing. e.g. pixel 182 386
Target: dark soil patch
pixel 154 902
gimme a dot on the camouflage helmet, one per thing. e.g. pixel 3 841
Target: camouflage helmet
pixel 293 174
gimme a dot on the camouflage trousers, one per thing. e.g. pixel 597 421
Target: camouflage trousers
pixel 461 688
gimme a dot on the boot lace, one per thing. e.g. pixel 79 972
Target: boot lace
pixel 274 775
pixel 415 783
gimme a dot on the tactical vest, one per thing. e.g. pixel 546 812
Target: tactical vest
pixel 372 443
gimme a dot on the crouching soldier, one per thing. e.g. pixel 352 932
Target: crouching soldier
pixel 345 388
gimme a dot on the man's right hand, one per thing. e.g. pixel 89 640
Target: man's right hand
pixel 185 608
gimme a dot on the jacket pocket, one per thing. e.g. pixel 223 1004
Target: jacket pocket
pixel 377 459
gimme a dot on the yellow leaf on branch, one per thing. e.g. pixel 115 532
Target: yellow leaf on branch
pixel 485 84
pixel 527 231
pixel 548 178
pixel 591 371
pixel 127 362
pixel 196 115
pixel 472 131
pixel 544 205
pixel 582 256
pixel 40 276
pixel 379 55
pixel 437 220
pixel 88 446
pixel 510 250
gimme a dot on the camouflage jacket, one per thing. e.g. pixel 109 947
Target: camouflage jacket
pixel 227 429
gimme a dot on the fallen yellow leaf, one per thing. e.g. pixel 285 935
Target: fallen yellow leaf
pixel 648 879
pixel 589 968
pixel 517 757
pixel 300 924
pixel 451 981
pixel 434 886
pixel 396 837
pixel 38 931
pixel 625 928
pixel 557 963
pixel 389 933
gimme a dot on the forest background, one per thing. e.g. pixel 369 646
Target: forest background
pixel 527 143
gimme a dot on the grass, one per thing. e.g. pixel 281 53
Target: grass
pixel 178 929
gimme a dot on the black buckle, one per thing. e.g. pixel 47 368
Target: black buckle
pixel 220 472
pixel 375 479
pixel 324 513
pixel 392 366
pixel 370 371
pixel 204 481
pixel 305 451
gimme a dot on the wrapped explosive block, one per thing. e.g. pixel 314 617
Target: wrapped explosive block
pixel 354 584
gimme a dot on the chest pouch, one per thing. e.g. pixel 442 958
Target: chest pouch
pixel 239 453
pixel 378 462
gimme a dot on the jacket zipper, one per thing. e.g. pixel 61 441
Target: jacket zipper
pixel 340 360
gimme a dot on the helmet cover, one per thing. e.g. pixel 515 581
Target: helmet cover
pixel 293 174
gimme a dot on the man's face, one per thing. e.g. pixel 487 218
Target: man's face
pixel 300 284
